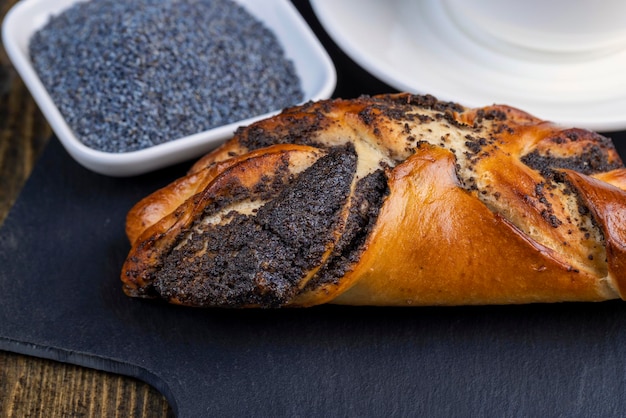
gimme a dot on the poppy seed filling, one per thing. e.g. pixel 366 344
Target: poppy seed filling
pixel 261 258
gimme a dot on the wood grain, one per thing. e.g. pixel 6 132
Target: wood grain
pixel 32 387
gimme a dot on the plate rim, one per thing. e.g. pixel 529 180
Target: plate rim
pixel 375 62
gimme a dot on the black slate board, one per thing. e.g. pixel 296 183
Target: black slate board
pixel 61 249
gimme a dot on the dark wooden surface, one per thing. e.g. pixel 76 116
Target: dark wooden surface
pixel 32 387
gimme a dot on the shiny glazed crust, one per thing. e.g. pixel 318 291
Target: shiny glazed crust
pixel 395 200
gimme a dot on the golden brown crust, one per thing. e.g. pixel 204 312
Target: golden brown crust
pixel 607 204
pixel 458 251
pixel 475 206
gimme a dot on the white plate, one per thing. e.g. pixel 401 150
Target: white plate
pixel 312 63
pixel 415 46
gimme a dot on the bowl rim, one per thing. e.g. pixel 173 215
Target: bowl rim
pixel 130 163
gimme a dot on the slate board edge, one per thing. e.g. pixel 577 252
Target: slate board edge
pixel 91 361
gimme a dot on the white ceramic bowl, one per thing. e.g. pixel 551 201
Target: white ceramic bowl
pixel 313 66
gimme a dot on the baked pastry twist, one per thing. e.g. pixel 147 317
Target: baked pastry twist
pixel 388 200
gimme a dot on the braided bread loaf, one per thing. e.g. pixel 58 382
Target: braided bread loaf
pixel 388 200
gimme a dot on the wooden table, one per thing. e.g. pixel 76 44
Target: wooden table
pixel 32 387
